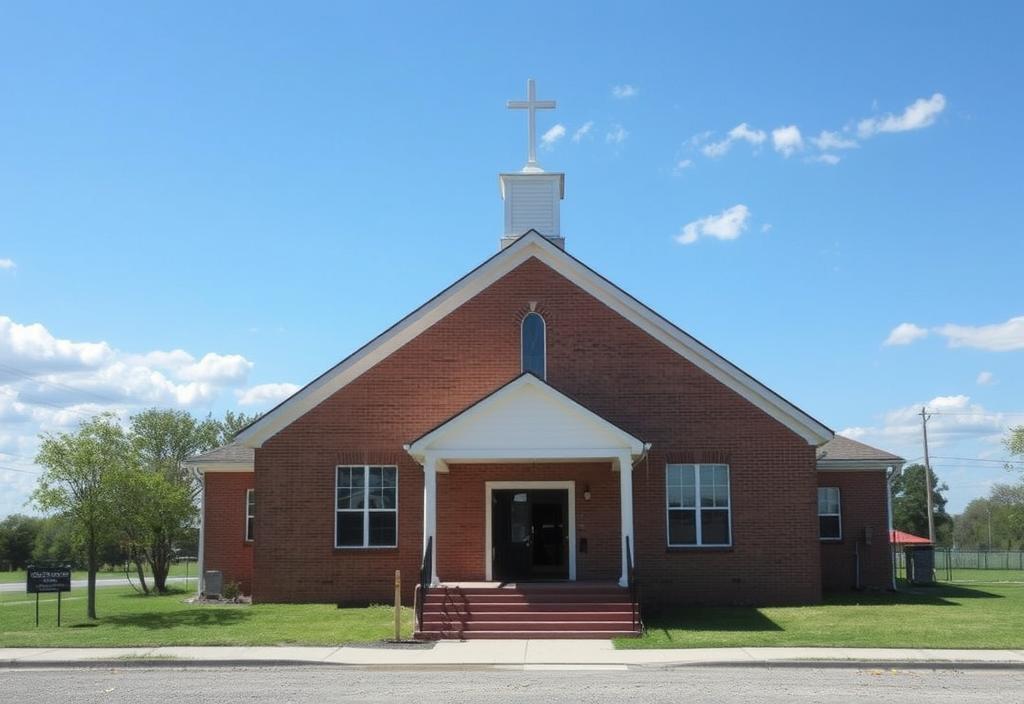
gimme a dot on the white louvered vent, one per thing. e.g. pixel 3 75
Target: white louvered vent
pixel 532 202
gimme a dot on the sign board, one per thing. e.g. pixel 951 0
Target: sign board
pixel 49 579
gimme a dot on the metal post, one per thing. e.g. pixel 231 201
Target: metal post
pixel 37 609
pixel 58 609
pixel 398 605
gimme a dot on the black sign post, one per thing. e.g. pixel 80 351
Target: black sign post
pixel 48 579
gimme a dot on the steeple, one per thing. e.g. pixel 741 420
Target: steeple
pixel 532 196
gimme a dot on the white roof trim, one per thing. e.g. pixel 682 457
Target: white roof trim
pixel 204 467
pixel 516 422
pixel 532 245
pixel 857 465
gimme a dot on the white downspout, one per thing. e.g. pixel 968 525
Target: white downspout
pixel 202 538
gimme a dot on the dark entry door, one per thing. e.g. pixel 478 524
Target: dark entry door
pixel 529 534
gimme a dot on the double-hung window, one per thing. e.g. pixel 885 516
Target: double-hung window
pixel 366 507
pixel 698 504
pixel 250 514
pixel 830 521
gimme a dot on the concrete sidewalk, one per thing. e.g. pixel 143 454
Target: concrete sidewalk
pixel 509 653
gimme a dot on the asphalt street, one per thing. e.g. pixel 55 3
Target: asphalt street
pixel 82 584
pixel 590 684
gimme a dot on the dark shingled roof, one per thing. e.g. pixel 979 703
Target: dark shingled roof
pixel 232 452
pixel 846 450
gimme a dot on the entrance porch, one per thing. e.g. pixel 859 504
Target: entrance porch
pixel 522 485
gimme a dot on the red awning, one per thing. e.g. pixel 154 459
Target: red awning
pixel 898 537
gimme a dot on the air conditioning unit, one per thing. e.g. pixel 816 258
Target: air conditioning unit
pixel 213 582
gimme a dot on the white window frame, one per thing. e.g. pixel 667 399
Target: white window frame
pixel 544 332
pixel 697 508
pixel 250 515
pixel 838 514
pixel 365 510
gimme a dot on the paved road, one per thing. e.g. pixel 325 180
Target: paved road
pixel 81 583
pixel 538 684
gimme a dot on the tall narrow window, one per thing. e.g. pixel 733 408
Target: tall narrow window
pixel 533 344
pixel 697 499
pixel 830 522
pixel 250 513
pixel 367 507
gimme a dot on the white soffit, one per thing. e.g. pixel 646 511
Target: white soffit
pixel 525 418
pixel 530 245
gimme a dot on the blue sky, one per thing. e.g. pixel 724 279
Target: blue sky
pixel 202 206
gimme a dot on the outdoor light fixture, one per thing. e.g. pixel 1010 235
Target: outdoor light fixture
pixel 586 493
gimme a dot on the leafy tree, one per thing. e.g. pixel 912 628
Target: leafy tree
pixel 910 508
pixel 78 483
pixel 1014 442
pixel 17 540
pixel 233 423
pixel 56 541
pixel 162 497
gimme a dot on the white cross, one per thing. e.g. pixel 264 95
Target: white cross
pixel 531 105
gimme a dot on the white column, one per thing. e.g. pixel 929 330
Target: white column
pixel 430 512
pixel 626 501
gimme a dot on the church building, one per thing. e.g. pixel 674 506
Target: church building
pixel 541 454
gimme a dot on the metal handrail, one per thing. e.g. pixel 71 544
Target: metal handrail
pixel 634 586
pixel 425 579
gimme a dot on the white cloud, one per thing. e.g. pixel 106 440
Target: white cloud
pixel 998 337
pixel 218 369
pixel 787 140
pixel 727 225
pixel 833 140
pixel 767 227
pixel 552 135
pixel 953 418
pixel 921 113
pixel 617 135
pixel 7 264
pixel 33 346
pixel 904 334
pixel 265 394
pixel 583 131
pixel 985 378
pixel 623 91
pixel 830 159
pixel 741 132
pixel 683 164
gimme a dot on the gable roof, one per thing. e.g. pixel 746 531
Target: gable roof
pixel 842 452
pixel 525 415
pixel 532 245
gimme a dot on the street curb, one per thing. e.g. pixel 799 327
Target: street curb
pixel 765 664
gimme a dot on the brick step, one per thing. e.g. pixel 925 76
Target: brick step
pixel 433 598
pixel 473 626
pixel 573 588
pixel 496 635
pixel 524 616
pixel 575 607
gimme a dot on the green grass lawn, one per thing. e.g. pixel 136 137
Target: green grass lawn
pixel 942 616
pixel 128 619
pixel 177 570
pixel 964 576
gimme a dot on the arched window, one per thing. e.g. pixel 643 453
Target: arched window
pixel 533 345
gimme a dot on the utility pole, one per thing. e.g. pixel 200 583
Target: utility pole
pixel 927 476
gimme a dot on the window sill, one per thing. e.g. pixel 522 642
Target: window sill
pixel 365 548
pixel 700 548
pixel 831 541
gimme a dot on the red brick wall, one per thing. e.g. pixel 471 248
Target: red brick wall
pixel 225 547
pixel 596 357
pixel 862 505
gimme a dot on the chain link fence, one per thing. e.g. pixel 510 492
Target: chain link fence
pixel 969 565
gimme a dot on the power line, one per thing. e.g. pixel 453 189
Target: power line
pixel 977 459
pixel 983 414
pixel 23 471
pixel 25 374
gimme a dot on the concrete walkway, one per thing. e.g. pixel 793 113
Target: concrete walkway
pixel 531 654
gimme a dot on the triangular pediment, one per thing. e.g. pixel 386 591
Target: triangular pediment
pixel 532 246
pixel 526 419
